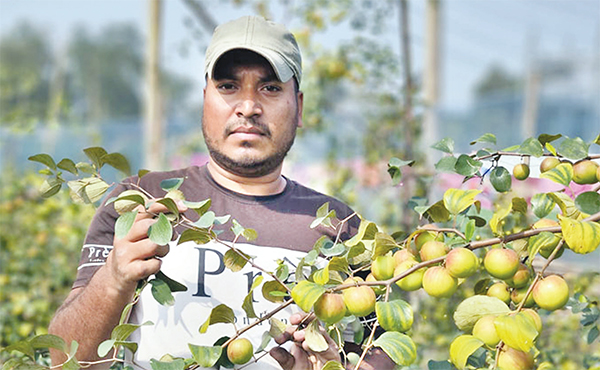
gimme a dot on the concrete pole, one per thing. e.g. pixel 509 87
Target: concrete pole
pixel 153 122
pixel 431 78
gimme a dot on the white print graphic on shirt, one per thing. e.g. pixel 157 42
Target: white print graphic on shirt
pixel 202 270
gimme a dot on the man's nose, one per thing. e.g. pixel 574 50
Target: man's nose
pixel 249 105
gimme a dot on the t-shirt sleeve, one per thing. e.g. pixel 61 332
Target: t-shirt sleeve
pixel 98 241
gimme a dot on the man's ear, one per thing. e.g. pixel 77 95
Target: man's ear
pixel 300 100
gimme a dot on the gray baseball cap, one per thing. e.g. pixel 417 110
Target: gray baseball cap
pixel 271 40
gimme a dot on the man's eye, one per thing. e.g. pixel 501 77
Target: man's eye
pixel 272 88
pixel 226 86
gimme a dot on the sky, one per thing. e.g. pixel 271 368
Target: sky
pixel 475 34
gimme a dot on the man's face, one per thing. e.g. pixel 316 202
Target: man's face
pixel 250 118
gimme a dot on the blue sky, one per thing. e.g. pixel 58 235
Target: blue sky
pixel 476 33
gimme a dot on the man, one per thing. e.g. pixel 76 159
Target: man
pixel 252 108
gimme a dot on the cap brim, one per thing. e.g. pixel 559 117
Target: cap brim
pixel 282 70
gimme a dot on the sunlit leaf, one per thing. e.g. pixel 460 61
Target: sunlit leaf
pixel 531 146
pixel 445 145
pixel 177 364
pixel 473 308
pixel 461 348
pixel 273 291
pixel 517 331
pixel 333 365
pixel 128 200
pixel 248 305
pixel 366 230
pixel 457 200
pixel 50 187
pixel 220 314
pixel 562 174
pixel 566 204
pixel 276 328
pixel 581 236
pixel 124 224
pixel 235 260
pixel 383 244
pixel 400 347
pixel 539 241
pixel 574 148
pixel 485 138
pixel 323 217
pixel 161 231
pixel 321 276
pixel 394 315
pixel 519 205
pixel 545 138
pixel 542 204
pixel 87 190
pixel 437 212
pixel 195 235
pixel 314 338
pixel 306 293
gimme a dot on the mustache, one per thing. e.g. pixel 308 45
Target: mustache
pixel 247 124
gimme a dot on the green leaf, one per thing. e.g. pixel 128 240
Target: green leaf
pixel 457 200
pixel 394 169
pixel 23 346
pixel 44 159
pixel 446 164
pixel 501 179
pixel 96 154
pixel 205 356
pixel 531 146
pixel 566 204
pixel 50 187
pixel 323 217
pixel 467 166
pixel 306 293
pixel 517 331
pixel 161 231
pixel 235 260
pixel 542 204
pixel 220 314
pixel 177 364
pixel 48 341
pixel 485 138
pixel 366 231
pixel 273 291
pixel 562 174
pixel 394 315
pixel 195 235
pixel 124 224
pixel 400 347
pixel 470 230
pixel 445 145
pixel 206 220
pixel 314 338
pixel 170 204
pixel 574 148
pixel 68 165
pixel 473 308
pixel 105 347
pixel 519 205
pixel 87 190
pixel 592 335
pixel 545 138
pixel 582 237
pixel 173 285
pixel 461 348
pixel 588 202
pixel 118 162
pixel 128 200
pixel 539 241
pixel 161 292
pixel 333 365
pixel 439 365
pixel 86 168
pixel 171 184
pixel 383 244
pixel 248 306
pixel 437 212
pixel 321 276
pixel 199 207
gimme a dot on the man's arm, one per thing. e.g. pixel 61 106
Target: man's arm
pixel 90 313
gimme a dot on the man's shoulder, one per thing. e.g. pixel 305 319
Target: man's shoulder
pixel 313 195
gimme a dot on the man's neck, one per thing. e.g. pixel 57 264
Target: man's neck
pixel 270 184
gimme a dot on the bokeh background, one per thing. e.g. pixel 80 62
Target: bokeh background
pixel 382 79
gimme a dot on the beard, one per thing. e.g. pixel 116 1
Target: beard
pixel 251 165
